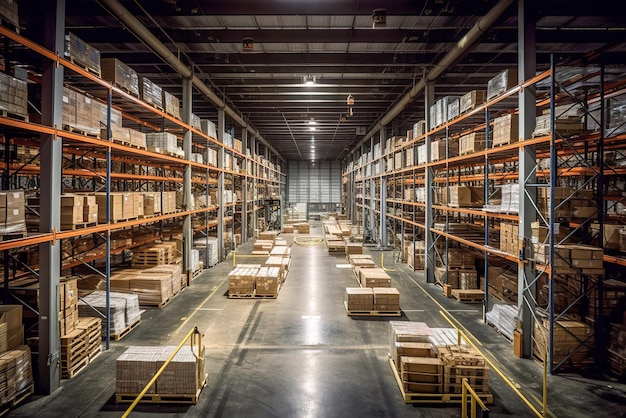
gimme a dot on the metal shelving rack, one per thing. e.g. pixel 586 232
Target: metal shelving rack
pixel 559 149
pixel 82 149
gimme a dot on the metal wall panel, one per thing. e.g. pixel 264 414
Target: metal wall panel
pixel 314 183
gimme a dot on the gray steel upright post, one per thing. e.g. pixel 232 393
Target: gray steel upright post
pixel 383 192
pixel 372 204
pixel 53 31
pixel 429 220
pixel 221 125
pixel 527 174
pixel 187 196
pixel 244 188
pixel 255 173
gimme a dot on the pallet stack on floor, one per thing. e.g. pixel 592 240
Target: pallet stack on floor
pixel 181 381
pixel 335 241
pixel 254 281
pixel 375 296
pixel 280 257
pixel 16 374
pixel 430 368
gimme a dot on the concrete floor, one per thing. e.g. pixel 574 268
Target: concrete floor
pixel 300 355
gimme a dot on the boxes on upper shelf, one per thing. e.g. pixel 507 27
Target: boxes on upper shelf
pixel 505 129
pixel 454 108
pixel 171 104
pixel 502 82
pixel 12 210
pixel 438 149
pixel 466 196
pixel 81 53
pixel 9 12
pixel 151 92
pixel 472 99
pixel 471 143
pixel 121 75
pixel 162 142
pixel 13 95
pixel 208 127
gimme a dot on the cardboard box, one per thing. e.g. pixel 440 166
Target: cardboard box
pixel 11 315
pixel 506 129
pixel 466 196
pixel 15 337
pixel 120 74
pixel 472 99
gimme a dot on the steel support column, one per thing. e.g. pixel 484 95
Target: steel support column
pixel 221 125
pixel 244 187
pixel 187 196
pixel 255 173
pixel 383 192
pixel 53 30
pixel 527 174
pixel 429 219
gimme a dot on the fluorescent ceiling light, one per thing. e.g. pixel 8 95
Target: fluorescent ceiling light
pixel 308 80
pixel 312 128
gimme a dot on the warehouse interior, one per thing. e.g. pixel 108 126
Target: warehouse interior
pixel 328 208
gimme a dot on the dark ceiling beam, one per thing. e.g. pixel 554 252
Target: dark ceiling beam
pixel 194 8
pixel 190 36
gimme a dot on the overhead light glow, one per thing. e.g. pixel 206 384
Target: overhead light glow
pixel 312 128
pixel 308 80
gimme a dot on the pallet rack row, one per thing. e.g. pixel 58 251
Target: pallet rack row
pixel 568 157
pixel 219 186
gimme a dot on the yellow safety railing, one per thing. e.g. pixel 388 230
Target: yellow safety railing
pixel 193 336
pixel 382 263
pixel 475 401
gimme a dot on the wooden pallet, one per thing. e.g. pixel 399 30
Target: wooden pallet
pixel 251 296
pixel 433 398
pixel 468 295
pixel 20 397
pixel 80 225
pixel 79 131
pixel 71 371
pixel 370 313
pixel 162 398
pixel 84 66
pixel 119 336
pixel 11 115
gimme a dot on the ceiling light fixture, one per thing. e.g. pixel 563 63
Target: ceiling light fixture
pixel 350 100
pixel 312 128
pixel 379 18
pixel 312 122
pixel 247 44
pixel 308 80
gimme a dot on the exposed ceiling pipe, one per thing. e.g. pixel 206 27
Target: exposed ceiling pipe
pixel 457 52
pixel 144 34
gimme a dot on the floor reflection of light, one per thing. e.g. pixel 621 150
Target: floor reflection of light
pixel 309 384
pixel 312 329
